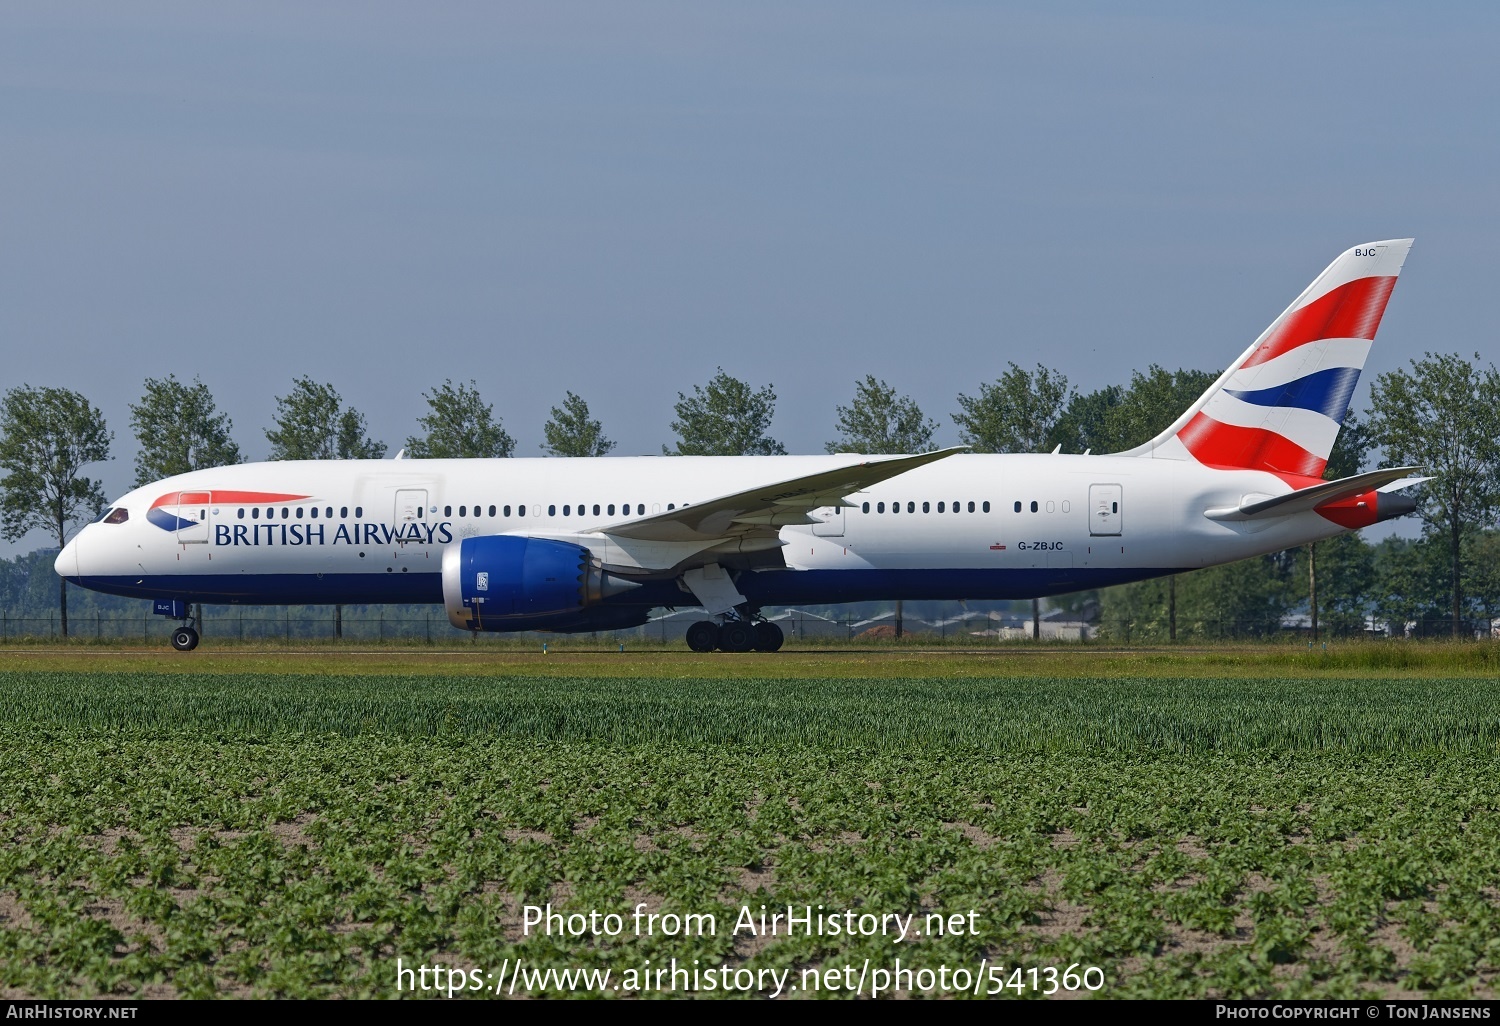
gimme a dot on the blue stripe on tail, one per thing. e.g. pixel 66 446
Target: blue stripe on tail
pixel 1325 391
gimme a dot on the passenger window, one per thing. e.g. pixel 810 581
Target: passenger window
pixel 956 507
pixel 359 511
pixel 255 513
pixel 596 509
pixel 117 515
pixel 640 509
pixel 895 507
pixel 492 511
pixel 880 507
pixel 463 511
pixel 329 512
pixel 567 510
pixel 1033 505
pixel 312 511
pixel 552 511
pixel 911 507
pixel 521 510
pixel 286 513
pixel 506 511
pixel 447 511
pixel 865 508
pixel 242 513
pixel 942 507
pixel 986 506
pixel 1018 505
pixel 971 506
pixel 611 509
pixel 343 512
pixel 299 512
pixel 671 505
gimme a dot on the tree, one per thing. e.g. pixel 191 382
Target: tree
pixel 570 432
pixel 1410 582
pixel 879 421
pixel 724 418
pixel 179 429
pixel 1019 412
pixel 312 424
pixel 1085 425
pixel 1444 415
pixel 1351 451
pixel 459 425
pixel 1152 402
pixel 1246 597
pixel 47 437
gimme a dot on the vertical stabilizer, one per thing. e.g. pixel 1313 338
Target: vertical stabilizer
pixel 1278 407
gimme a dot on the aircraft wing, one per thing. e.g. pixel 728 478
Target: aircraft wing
pixel 767 508
pixel 1305 499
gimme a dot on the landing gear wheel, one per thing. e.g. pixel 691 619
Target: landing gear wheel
pixel 184 639
pixel 737 636
pixel 703 636
pixel 768 637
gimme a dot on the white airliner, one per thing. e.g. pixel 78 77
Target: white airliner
pixel 595 544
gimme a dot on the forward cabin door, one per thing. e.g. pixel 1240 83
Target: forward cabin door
pixel 192 516
pixel 1105 512
pixel 411 514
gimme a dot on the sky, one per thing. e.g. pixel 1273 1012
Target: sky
pixel 618 199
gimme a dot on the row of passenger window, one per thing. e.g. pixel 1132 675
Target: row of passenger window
pixel 314 512
pixel 568 510
pixel 957 507
pixel 911 507
pixel 287 512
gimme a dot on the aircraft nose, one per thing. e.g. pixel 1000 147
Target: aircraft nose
pixel 66 564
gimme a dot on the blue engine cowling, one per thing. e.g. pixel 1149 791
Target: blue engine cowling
pixel 510 583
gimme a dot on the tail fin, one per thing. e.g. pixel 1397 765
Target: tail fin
pixel 1278 407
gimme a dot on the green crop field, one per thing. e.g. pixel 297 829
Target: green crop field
pixel 1169 824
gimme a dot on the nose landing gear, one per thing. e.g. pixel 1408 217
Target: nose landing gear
pixel 184 638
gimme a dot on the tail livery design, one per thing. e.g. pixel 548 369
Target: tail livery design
pixel 1278 408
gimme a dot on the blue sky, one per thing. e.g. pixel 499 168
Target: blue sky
pixel 617 199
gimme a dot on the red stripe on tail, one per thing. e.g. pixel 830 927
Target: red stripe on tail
pixel 1353 310
pixel 1229 446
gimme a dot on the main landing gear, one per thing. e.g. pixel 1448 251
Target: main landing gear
pixel 734 636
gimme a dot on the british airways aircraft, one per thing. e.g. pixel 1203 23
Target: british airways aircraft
pixel 595 544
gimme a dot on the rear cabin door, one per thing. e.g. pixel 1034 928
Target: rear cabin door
pixel 1105 516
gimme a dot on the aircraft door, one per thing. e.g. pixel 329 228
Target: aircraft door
pixel 411 513
pixel 832 524
pixel 1105 512
pixel 192 516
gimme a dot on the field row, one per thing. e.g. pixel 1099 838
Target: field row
pixel 965 715
pixel 306 867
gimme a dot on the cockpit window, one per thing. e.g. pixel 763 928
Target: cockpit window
pixel 118 515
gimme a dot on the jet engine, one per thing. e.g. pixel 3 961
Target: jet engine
pixel 511 583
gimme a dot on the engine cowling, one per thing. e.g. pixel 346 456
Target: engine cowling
pixel 510 582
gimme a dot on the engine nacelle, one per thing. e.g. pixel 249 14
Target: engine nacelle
pixel 509 583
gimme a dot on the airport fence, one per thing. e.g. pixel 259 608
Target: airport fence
pixel 260 626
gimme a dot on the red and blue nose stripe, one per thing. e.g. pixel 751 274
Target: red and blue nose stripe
pixel 162 516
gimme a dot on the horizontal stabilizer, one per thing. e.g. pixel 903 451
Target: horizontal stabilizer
pixel 1305 499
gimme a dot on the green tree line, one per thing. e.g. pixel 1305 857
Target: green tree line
pixel 1442 412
